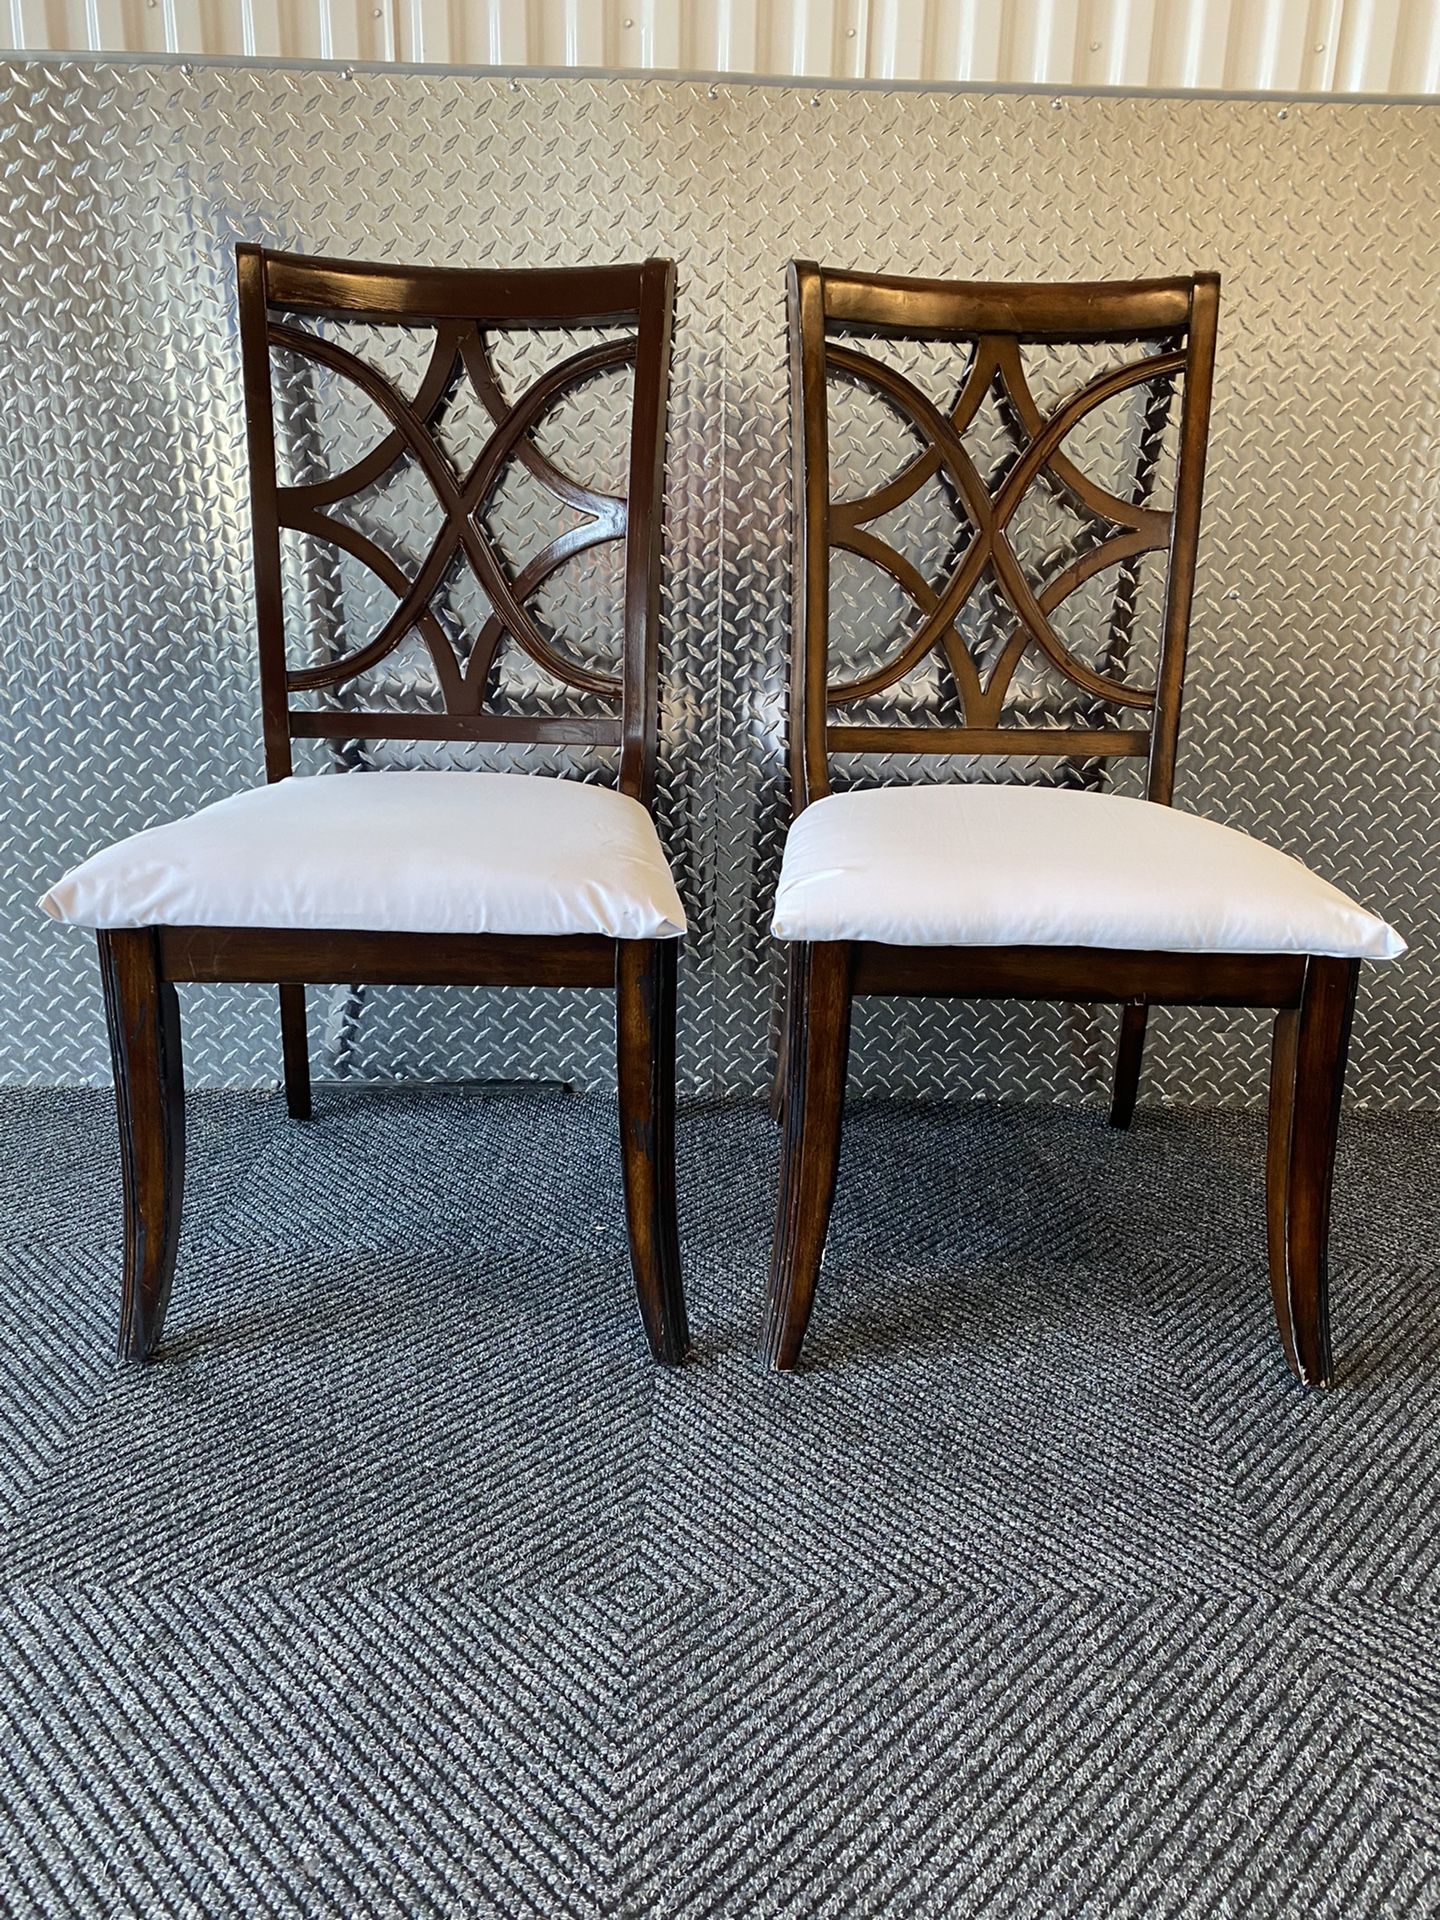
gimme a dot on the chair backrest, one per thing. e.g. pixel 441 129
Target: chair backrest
pixel 306 313
pixel 971 651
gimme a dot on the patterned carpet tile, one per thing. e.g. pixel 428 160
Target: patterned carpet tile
pixel 57 1339
pixel 319 1414
pixel 394 1751
pixel 60 1168
pixel 1031 1756
pixel 404 1583
pixel 1382 1660
pixel 1021 1427
pixel 277 1752
pixel 1343 1486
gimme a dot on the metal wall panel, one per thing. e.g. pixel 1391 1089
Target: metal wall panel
pixel 264 29
pixel 1304 46
pixel 125 631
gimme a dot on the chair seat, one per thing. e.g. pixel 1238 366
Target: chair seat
pixel 1013 865
pixel 396 852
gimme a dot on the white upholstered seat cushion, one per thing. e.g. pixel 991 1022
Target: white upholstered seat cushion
pixel 1014 865
pixel 392 852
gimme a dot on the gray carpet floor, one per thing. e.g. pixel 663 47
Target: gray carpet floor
pixel 404 1584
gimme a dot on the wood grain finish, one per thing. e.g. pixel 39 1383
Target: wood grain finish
pixel 1307 1077
pixel 1313 997
pixel 828 312
pixel 143 1016
pixel 349 957
pixel 817 1049
pixel 295 1050
pixel 1081 974
pixel 1053 742
pixel 140 967
pixel 276 291
pixel 378 292
pixel 645 1033
pixel 1129 1058
pixel 1185 536
pixel 359 723
pixel 915 309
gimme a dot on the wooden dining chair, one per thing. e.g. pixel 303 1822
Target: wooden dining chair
pixel 1013 890
pixel 420 877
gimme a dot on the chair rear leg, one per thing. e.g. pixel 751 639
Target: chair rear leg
pixel 1129 1055
pixel 817 1046
pixel 295 1047
pixel 1307 1075
pixel 144 1020
pixel 645 1020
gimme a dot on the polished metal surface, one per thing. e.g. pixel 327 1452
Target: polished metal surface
pixel 125 629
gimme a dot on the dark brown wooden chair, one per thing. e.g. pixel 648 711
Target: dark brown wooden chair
pixel 475 878
pixel 1017 891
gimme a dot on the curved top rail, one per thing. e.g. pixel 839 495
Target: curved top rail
pixel 960 309
pixel 522 296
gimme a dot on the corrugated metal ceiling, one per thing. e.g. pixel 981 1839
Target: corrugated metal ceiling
pixel 1380 47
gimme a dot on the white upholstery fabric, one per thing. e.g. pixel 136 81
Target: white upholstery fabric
pixel 983 866
pixel 397 852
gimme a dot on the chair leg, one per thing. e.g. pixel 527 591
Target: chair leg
pixel 144 1019
pixel 295 1047
pixel 1307 1074
pixel 782 1052
pixel 645 1014
pixel 1128 1057
pixel 817 1048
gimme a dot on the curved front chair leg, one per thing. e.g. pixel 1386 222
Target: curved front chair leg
pixel 817 1026
pixel 295 1047
pixel 645 1019
pixel 1307 1075
pixel 782 1048
pixel 144 1019
pixel 1129 1055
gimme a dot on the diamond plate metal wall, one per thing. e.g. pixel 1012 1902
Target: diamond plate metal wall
pixel 125 630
